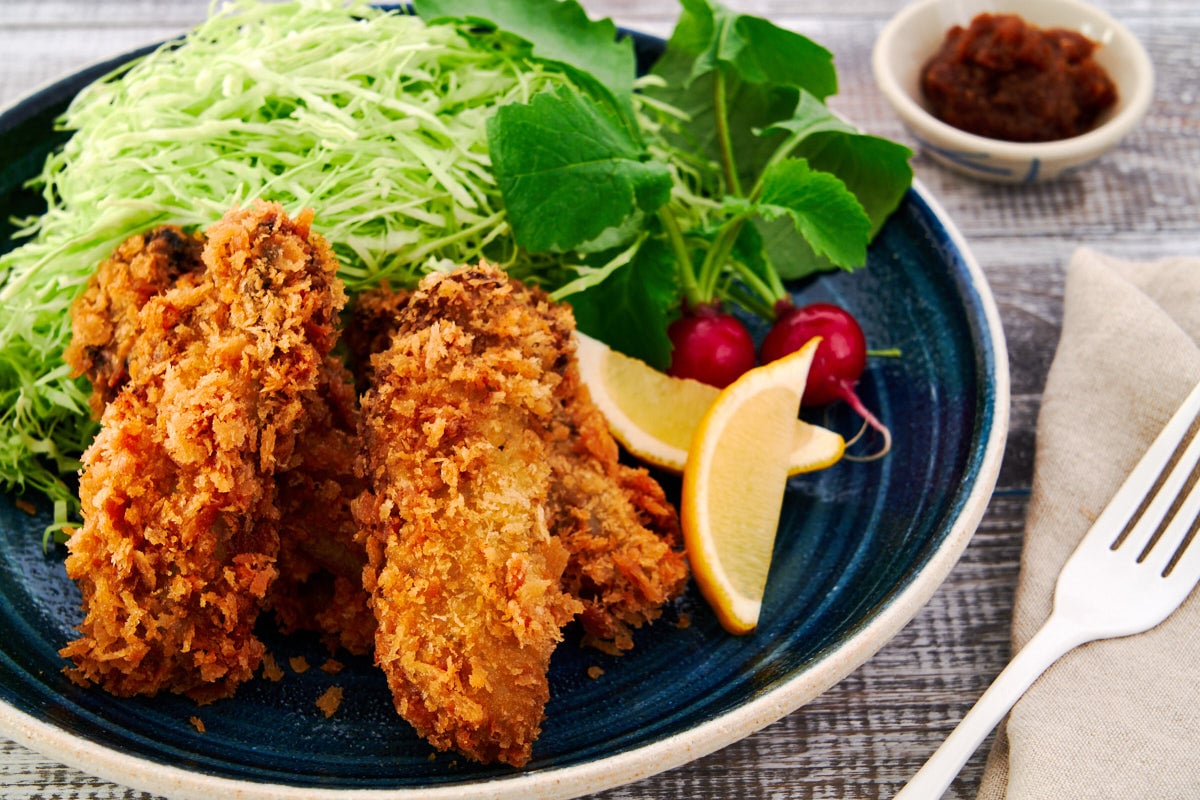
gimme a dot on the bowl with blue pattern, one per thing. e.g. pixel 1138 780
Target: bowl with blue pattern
pixel 913 36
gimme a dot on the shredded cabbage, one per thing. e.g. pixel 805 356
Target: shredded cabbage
pixel 372 118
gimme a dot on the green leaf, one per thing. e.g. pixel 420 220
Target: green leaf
pixel 876 170
pixel 568 170
pixel 752 107
pixel 821 208
pixel 755 49
pixel 558 31
pixel 748 249
pixel 808 117
pixel 587 275
pixel 631 308
pixel 762 70
pixel 789 252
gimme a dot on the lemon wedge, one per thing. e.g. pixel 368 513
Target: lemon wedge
pixel 733 486
pixel 655 415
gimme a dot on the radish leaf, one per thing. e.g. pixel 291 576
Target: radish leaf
pixel 876 170
pixel 758 106
pixel 822 209
pixel 558 31
pixel 569 171
pixel 757 50
pixel 632 307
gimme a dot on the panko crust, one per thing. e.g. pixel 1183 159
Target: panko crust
pixel 464 574
pixel 104 318
pixel 626 550
pixel 180 535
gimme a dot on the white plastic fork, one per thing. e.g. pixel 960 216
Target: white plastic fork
pixel 1133 568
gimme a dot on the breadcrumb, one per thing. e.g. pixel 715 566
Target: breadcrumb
pixel 489 466
pixel 105 318
pixel 197 723
pixel 330 700
pixel 299 664
pixel 627 557
pixel 270 668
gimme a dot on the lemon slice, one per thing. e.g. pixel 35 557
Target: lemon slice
pixel 733 486
pixel 655 415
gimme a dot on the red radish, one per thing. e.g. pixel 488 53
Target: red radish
pixel 838 363
pixel 710 346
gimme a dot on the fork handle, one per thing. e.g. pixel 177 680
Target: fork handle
pixel 1057 636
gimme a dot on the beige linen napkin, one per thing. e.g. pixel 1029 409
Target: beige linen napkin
pixel 1116 719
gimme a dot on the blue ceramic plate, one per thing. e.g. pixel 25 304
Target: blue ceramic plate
pixel 861 548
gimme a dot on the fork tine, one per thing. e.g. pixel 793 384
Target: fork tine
pixel 1185 561
pixel 1133 499
pixel 1164 501
pixel 1165 548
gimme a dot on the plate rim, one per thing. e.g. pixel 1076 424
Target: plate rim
pixel 630 766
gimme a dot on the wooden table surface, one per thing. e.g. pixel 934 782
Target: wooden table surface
pixel 864 737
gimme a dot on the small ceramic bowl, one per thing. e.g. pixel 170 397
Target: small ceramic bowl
pixel 914 35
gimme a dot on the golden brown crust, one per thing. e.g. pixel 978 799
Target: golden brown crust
pixel 489 505
pixel 319 587
pixel 464 574
pixel 626 555
pixel 180 533
pixel 104 316
pixel 623 535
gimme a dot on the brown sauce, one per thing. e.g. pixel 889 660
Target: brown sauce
pixel 1005 79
